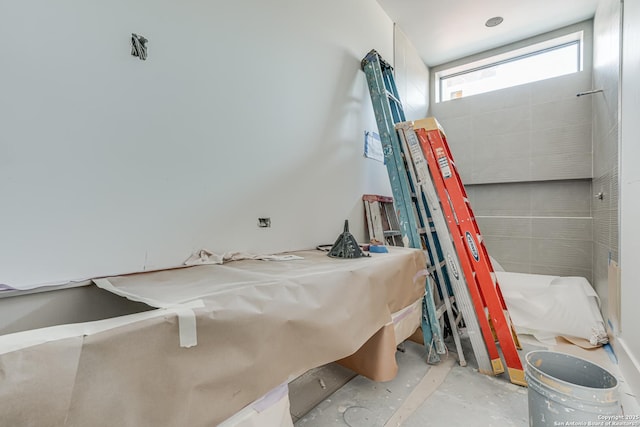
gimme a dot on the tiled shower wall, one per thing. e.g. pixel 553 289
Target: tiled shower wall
pixel 525 156
pixel 537 227
pixel 606 66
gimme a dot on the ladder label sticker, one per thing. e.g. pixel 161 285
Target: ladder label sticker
pixel 412 139
pixel 418 160
pixel 443 162
pixel 472 246
pixel 452 266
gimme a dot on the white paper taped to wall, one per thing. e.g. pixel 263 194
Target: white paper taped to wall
pixel 373 146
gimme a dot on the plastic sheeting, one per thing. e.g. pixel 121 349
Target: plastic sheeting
pixel 257 325
pixel 273 409
pixel 550 306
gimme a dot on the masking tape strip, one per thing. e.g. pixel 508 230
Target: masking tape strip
pixel 271 398
pixel 401 314
pixel 187 327
pixel 20 340
pixel 186 316
pixel 420 274
pixel 250 414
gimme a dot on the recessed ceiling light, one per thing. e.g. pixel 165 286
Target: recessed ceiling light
pixel 495 21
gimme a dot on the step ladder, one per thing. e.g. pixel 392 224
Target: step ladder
pixel 473 256
pixel 413 224
pixel 478 328
pixel 382 220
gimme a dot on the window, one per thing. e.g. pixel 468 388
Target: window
pixel 540 61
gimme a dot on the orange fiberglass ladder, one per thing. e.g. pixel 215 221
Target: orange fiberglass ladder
pixel 481 280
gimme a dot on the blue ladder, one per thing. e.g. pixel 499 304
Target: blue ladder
pixel 388 111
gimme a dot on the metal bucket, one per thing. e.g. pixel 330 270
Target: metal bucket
pixel 567 390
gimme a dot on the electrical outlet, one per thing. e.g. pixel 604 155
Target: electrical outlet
pixel 264 222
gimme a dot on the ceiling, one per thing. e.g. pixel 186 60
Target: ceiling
pixel 445 30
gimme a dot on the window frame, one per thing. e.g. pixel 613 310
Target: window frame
pixel 575 38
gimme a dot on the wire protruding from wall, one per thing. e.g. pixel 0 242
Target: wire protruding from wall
pixel 589 92
pixel 138 46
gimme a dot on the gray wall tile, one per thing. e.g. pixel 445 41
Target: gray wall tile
pixel 605 142
pixel 562 228
pixel 501 170
pixel 508 120
pixel 614 185
pixel 561 166
pixel 515 267
pixel 501 99
pixel 602 226
pixel 561 140
pixel 553 270
pixel 561 198
pixel 563 87
pixel 563 112
pixel 501 199
pixel 499 148
pixel 453 108
pixel 562 252
pixel 614 242
pixel 601 273
pixel 605 151
pixel 605 105
pixel 512 250
pixel 602 184
pixel 459 134
pixel 505 226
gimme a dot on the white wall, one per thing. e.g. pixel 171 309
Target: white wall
pixel 244 109
pixel 411 76
pixel 629 340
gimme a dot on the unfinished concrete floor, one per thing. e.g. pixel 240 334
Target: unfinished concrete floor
pixel 445 394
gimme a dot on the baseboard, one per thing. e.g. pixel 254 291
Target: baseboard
pixel 629 367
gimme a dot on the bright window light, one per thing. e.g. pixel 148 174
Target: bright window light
pixel 552 58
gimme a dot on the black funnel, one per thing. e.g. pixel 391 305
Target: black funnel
pixel 346 245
